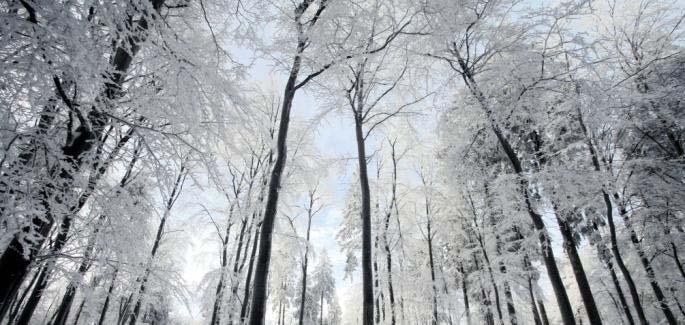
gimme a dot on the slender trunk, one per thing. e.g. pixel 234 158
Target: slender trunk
pixel 533 305
pixel 175 192
pixel 569 245
pixel 42 282
pixel 632 288
pixel 647 265
pixel 376 275
pixel 578 270
pixel 20 301
pixel 79 311
pixel 248 280
pixel 242 241
pixel 105 305
pixel 619 292
pixel 465 293
pixel 679 264
pixel 432 266
pixel 543 313
pixel 367 274
pixel 489 319
pixel 218 294
pixel 65 306
pixel 391 293
pixel 258 308
pixel 492 282
pixel 321 316
pixel 305 260
pixel 511 310
pixel 388 252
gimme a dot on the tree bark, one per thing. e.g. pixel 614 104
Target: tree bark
pixel 258 304
pixel 367 273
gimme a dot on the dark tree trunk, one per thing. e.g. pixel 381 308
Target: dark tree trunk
pixel 543 313
pixel 391 293
pixel 62 313
pixel 431 265
pixel 647 265
pixel 42 281
pixel 619 292
pixel 376 276
pixel 632 288
pixel 465 293
pixel 321 316
pixel 305 261
pixel 258 304
pixel 218 295
pixel 386 244
pixel 20 301
pixel 533 305
pixel 248 280
pixel 569 244
pixel 79 311
pixel 578 270
pixel 175 192
pixel 367 273
pixel 105 305
pixel 488 317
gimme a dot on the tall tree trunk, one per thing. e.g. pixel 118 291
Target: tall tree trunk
pixel 465 293
pixel 218 294
pixel 321 316
pixel 367 274
pixel 386 244
pixel 108 298
pixel 533 305
pixel 578 270
pixel 391 293
pixel 543 313
pixel 431 265
pixel 646 264
pixel 258 304
pixel 20 300
pixel 175 192
pixel 246 295
pixel 62 313
pixel 569 243
pixel 632 288
pixel 42 282
pixel 376 284
pixel 305 261
pixel 79 311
